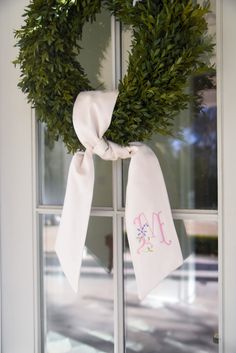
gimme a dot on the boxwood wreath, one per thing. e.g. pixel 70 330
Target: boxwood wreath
pixel 169 43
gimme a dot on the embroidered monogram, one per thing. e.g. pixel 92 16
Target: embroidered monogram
pixel 146 233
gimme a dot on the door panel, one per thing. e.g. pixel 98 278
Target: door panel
pixel 181 313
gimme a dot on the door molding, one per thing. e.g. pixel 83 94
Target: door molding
pixel 226 72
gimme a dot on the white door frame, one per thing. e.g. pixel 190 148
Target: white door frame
pixel 19 270
pixel 16 216
pixel 226 73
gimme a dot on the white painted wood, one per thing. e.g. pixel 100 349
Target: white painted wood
pixel 219 57
pixel 15 194
pixel 118 280
pixel 227 189
pixel 16 228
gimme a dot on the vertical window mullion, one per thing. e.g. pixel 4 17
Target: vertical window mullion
pixel 119 346
pixel 37 242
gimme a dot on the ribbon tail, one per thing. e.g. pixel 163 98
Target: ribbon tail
pixel 149 222
pixel 75 216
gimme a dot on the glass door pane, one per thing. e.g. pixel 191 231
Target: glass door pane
pixel 189 162
pixel 83 322
pixel 181 313
pixel 54 161
pixel 189 158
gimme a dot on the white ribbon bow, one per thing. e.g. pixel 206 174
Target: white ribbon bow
pixel 135 1
pixel 153 241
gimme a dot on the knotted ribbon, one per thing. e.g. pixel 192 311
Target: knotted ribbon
pixel 153 242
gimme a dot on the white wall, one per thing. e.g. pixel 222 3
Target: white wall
pixel 16 194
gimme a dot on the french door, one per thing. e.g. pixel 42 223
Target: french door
pixel 181 314
pixel 40 313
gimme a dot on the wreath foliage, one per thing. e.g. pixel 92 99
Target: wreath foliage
pixel 168 45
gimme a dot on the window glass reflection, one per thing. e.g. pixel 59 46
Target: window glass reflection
pixel 189 158
pixel 96 58
pixel 96 53
pixel 83 322
pixel 180 314
pixel 189 161
pixel 54 165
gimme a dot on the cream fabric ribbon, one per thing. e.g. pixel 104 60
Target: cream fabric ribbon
pixel 135 1
pixel 153 241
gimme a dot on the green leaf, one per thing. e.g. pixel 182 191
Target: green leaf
pixel 169 44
